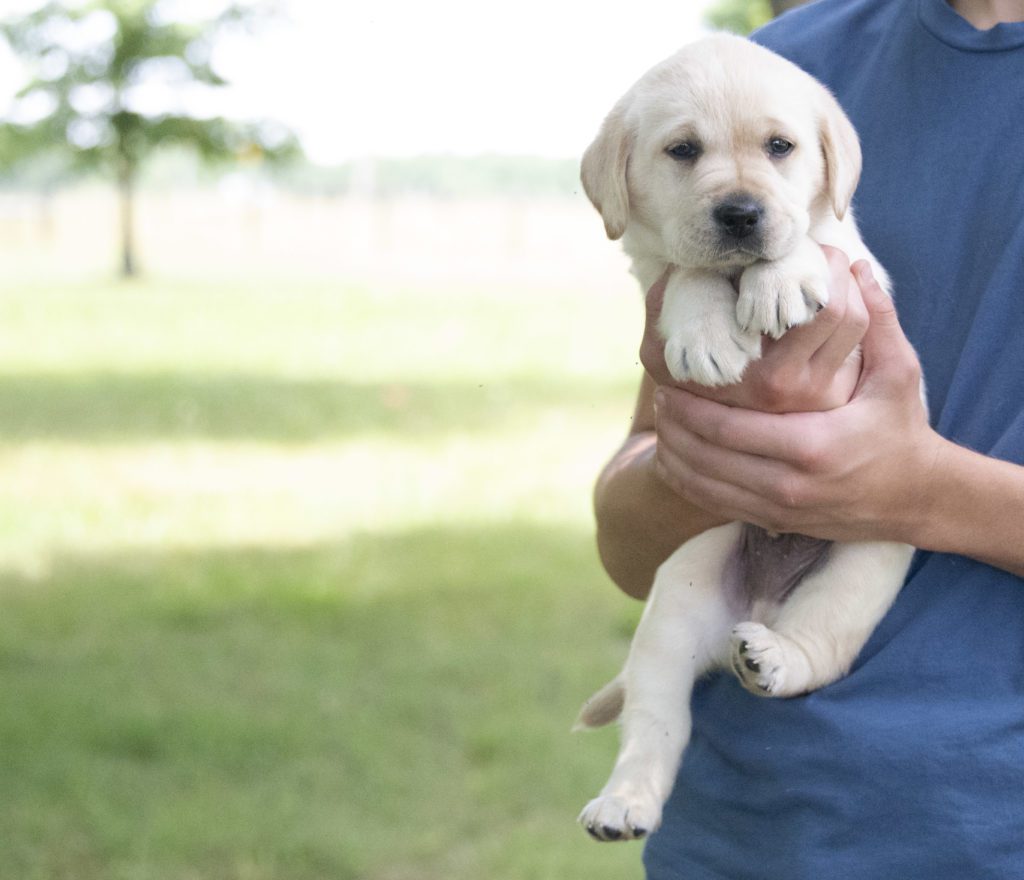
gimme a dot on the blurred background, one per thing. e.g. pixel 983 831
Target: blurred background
pixel 311 349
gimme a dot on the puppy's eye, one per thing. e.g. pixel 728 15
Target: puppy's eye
pixel 779 147
pixel 685 150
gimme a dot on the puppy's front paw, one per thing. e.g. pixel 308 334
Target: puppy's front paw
pixel 618 818
pixel 712 353
pixel 761 660
pixel 774 297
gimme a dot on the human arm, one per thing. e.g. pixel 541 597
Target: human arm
pixel 641 519
pixel 873 469
pixel 976 509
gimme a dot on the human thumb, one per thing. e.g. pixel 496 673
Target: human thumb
pixel 886 351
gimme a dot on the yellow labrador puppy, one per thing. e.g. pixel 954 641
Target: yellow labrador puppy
pixel 729 165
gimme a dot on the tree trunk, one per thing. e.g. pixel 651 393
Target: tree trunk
pixel 780 6
pixel 126 188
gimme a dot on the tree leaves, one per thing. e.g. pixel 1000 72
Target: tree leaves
pixel 91 63
pixel 109 85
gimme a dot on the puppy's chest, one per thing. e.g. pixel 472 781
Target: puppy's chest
pixel 764 568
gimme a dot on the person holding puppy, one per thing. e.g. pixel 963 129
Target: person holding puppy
pixel 913 764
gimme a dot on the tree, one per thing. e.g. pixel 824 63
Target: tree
pixel 110 82
pixel 744 16
pixel 780 6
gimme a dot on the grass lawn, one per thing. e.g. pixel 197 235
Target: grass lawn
pixel 297 580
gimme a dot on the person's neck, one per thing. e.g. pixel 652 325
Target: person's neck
pixel 985 14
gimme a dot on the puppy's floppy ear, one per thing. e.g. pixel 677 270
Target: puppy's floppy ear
pixel 603 172
pixel 841 147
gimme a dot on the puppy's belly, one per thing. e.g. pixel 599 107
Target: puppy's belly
pixel 765 568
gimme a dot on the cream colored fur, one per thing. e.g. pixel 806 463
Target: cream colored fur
pixel 731 97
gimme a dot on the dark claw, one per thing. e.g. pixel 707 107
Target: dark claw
pixel 809 300
pixel 752 665
pixel 638 832
pixel 686 362
pixel 714 363
pixel 592 831
pixel 743 647
pixel 610 833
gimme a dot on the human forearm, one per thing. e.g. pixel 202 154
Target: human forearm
pixel 974 506
pixel 640 521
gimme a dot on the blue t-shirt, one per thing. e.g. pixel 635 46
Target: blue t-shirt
pixel 913 765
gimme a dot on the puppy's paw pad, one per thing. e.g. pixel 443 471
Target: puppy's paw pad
pixel 609 817
pixel 759 659
pixel 772 301
pixel 711 355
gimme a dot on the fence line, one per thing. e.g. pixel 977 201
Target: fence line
pixel 510 242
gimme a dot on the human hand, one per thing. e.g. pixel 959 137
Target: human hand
pixel 856 472
pixel 812 367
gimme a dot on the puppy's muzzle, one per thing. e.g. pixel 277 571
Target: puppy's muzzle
pixel 739 217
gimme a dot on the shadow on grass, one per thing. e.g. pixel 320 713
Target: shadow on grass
pixel 170 406
pixel 392 705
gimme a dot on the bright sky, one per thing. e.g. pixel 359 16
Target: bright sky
pixel 401 78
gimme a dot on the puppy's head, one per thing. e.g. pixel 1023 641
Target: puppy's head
pixel 722 155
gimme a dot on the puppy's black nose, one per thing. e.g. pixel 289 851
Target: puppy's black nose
pixel 738 217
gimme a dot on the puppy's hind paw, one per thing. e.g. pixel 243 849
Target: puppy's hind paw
pixel 609 817
pixel 767 663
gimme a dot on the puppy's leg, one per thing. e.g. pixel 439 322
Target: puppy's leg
pixel 778 294
pixel 684 631
pixel 825 622
pixel 703 342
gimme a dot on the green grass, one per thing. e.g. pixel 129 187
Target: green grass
pixel 300 583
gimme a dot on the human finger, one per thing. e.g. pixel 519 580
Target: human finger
pixel 847 334
pixel 781 437
pixel 717 497
pixel 652 346
pixel 763 477
pixel 888 355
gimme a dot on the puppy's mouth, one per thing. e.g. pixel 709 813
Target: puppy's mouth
pixel 717 258
pixel 735 257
